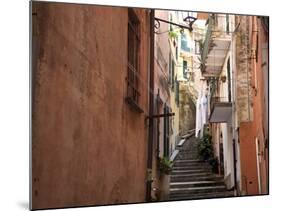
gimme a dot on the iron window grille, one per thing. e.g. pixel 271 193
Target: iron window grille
pixel 133 93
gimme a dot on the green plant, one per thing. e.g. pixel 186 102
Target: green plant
pixel 205 146
pixel 165 165
pixel 173 34
pixel 214 163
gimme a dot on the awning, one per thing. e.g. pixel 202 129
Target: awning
pixel 220 112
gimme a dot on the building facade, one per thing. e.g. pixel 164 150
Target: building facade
pixel 90 73
pixel 235 66
pixel 253 108
pixel 162 105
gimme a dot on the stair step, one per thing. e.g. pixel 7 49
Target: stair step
pixel 186 152
pixel 195 184
pixel 195 174
pixel 207 167
pixel 189 161
pixel 205 164
pixel 202 195
pixel 196 177
pixel 194 190
pixel 178 172
pixel 192 177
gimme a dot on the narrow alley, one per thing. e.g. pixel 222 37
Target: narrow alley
pixel 133 105
pixel 192 177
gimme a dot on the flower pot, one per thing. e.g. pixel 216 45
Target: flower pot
pixel 164 187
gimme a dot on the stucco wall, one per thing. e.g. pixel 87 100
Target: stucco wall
pixel 88 146
pixel 248 159
pixel 257 128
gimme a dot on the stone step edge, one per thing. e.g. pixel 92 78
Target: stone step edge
pixel 195 182
pixel 197 188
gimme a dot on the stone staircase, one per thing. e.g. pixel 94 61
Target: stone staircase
pixel 192 178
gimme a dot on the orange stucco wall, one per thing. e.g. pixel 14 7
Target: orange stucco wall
pixel 88 146
pixel 258 128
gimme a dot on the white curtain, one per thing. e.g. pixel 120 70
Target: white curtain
pixel 201 110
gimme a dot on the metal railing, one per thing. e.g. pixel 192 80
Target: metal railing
pixel 133 93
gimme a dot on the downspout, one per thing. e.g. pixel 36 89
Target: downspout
pixel 232 98
pixel 151 106
pixel 234 167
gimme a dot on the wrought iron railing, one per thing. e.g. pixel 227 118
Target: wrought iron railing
pixel 133 93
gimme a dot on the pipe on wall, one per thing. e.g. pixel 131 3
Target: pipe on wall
pixel 151 107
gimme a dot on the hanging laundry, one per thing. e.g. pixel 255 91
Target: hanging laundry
pixel 198 117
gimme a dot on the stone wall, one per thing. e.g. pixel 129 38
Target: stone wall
pixel 187 110
pixel 243 70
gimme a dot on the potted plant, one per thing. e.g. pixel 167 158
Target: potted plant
pixel 165 165
pixel 205 146
pixel 206 151
pixel 165 168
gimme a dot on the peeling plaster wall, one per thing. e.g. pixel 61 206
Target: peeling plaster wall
pixel 243 70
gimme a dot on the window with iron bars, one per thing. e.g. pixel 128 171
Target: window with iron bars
pixel 133 93
pixel 171 71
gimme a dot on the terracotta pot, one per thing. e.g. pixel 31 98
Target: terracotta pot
pixel 164 187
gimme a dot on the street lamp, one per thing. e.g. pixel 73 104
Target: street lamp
pixel 190 19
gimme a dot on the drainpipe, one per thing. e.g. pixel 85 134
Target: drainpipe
pixel 234 166
pixel 151 106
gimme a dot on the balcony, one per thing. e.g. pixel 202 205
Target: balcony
pixel 221 110
pixel 215 48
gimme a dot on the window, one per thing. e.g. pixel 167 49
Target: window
pixel 166 131
pixel 184 69
pixel 216 21
pixel 197 47
pixel 171 71
pixel 227 24
pixel 184 43
pixel 177 96
pixel 133 59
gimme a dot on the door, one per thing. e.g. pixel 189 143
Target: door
pixel 166 131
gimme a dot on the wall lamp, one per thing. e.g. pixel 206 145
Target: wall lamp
pixel 189 19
